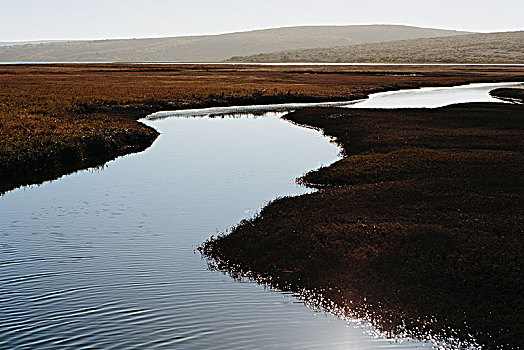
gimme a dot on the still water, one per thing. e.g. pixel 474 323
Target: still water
pixel 105 258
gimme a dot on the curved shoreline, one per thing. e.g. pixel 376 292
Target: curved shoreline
pixel 53 124
pixel 136 110
pixel 364 257
pixel 509 94
pixel 94 150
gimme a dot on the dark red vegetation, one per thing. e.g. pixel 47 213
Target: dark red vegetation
pixel 59 118
pixel 509 94
pixel 420 226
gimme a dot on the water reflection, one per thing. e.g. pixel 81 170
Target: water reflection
pixel 107 258
pixel 433 97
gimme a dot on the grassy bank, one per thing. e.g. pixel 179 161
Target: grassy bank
pixel 55 119
pixel 419 228
pixel 513 95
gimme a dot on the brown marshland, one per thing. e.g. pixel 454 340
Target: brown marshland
pixel 58 118
pixel 422 219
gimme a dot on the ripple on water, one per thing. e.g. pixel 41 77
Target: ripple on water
pixel 113 263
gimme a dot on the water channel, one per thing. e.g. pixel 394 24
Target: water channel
pixel 105 258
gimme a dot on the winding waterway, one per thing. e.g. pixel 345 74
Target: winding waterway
pixel 105 258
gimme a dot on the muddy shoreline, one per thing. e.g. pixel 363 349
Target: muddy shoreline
pixel 418 229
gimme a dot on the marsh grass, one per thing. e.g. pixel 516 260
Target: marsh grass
pixel 57 118
pixel 418 228
pixel 511 95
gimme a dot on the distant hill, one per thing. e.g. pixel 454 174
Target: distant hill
pixel 211 48
pixel 507 47
pixel 34 42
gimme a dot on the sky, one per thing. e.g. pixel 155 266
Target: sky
pixel 24 20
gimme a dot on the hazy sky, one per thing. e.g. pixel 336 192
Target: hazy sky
pixel 101 19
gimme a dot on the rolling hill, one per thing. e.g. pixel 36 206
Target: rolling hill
pixel 507 47
pixel 32 42
pixel 212 48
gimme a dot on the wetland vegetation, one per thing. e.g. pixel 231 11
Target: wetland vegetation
pixel 509 94
pixel 418 228
pixel 55 119
pixel 420 225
